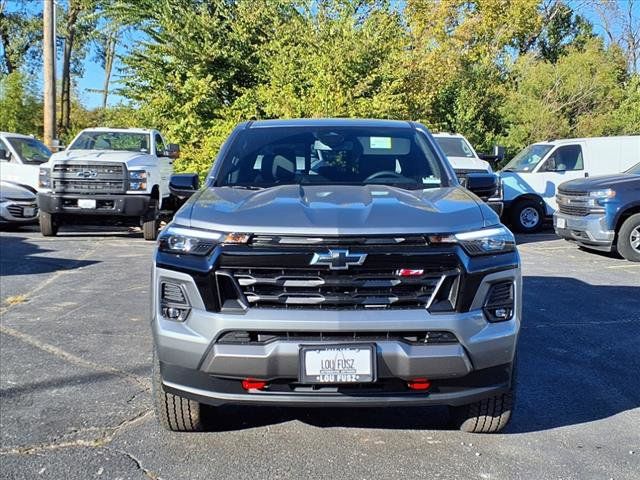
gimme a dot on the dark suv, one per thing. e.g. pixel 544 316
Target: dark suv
pixel 602 213
pixel 335 263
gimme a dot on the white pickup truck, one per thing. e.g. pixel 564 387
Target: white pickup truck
pixel 108 173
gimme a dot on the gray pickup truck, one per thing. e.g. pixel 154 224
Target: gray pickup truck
pixel 335 263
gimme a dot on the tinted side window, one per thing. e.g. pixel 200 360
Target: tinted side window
pixel 4 152
pixel 568 157
pixel 160 147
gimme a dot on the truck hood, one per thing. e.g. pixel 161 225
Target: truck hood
pixel 335 210
pixel 466 163
pixel 130 158
pixel 600 182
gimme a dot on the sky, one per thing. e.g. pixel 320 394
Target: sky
pixel 93 77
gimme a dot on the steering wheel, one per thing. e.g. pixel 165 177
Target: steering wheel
pixel 384 173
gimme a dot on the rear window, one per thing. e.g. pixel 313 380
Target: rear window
pixel 266 157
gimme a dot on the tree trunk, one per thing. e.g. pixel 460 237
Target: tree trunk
pixel 65 97
pixel 110 51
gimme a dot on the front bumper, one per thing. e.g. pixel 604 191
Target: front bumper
pixel 195 365
pixel 106 204
pixel 14 211
pixel 591 231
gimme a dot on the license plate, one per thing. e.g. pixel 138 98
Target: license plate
pixel 85 203
pixel 337 363
pixel 28 211
pixel 561 223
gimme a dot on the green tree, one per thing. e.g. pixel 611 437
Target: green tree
pixel 20 37
pixel 576 96
pixel 20 104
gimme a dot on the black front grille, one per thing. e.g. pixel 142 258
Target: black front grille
pixel 89 177
pixel 260 338
pixel 326 289
pixel 574 210
pixel 572 193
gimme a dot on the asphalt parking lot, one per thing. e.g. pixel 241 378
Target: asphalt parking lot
pixel 75 356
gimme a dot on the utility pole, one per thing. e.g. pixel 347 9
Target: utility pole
pixel 49 47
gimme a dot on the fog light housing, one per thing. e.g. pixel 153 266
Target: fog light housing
pixel 173 302
pixel 499 304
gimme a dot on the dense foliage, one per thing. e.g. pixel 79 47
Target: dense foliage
pixel 499 71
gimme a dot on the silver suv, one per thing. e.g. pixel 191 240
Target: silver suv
pixel 335 263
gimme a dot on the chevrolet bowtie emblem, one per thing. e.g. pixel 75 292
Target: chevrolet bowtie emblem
pixel 87 174
pixel 338 259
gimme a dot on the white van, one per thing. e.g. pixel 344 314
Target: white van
pixel 20 159
pixel 531 178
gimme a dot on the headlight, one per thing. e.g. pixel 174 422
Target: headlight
pixel 481 242
pixel 190 241
pixel 602 194
pixel 138 180
pixel 44 178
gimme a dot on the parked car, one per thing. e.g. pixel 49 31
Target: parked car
pixel 21 157
pixel 17 204
pixel 464 160
pixel 531 177
pixel 602 213
pixel 335 262
pixel 106 174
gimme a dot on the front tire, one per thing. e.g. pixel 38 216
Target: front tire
pixel 150 222
pixel 48 224
pixel 485 416
pixel 173 412
pixel 527 216
pixel 628 243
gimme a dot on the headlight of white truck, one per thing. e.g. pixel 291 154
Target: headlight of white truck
pixel 44 177
pixel 138 179
pixel 481 242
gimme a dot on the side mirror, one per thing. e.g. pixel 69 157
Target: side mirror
pixel 488 157
pixel 484 185
pixel 5 155
pixel 183 185
pixel 173 150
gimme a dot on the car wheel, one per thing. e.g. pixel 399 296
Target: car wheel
pixel 174 413
pixel 527 216
pixel 48 224
pixel 150 222
pixel 628 244
pixel 485 416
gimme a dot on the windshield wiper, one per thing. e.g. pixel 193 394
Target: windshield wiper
pixel 245 187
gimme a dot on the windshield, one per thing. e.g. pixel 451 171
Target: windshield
pixel 266 157
pixel 635 170
pixel 527 159
pixel 30 150
pixel 455 147
pixel 121 141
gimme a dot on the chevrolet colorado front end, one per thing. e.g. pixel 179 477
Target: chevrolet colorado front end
pixel 335 263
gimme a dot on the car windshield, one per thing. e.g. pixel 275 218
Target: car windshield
pixel 635 170
pixel 527 159
pixel 266 157
pixel 30 150
pixel 455 147
pixel 121 141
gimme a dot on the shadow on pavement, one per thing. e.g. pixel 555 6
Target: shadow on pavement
pixel 19 257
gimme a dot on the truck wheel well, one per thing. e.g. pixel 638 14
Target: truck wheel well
pixel 624 215
pixel 155 192
pixel 528 196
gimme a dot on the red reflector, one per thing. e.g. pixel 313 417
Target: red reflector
pixel 419 384
pixel 252 384
pixel 408 272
